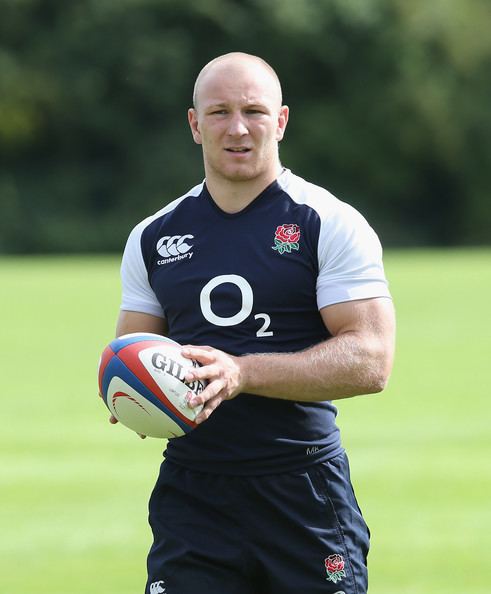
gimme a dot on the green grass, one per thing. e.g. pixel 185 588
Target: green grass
pixel 74 489
pixel 421 451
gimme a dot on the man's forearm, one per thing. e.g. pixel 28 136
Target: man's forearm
pixel 347 365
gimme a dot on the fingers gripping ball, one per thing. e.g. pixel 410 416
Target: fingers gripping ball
pixel 141 380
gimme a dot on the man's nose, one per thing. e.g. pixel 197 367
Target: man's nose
pixel 237 126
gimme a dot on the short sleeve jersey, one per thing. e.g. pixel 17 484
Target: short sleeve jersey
pixel 253 282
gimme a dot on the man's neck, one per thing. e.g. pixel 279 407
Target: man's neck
pixel 234 196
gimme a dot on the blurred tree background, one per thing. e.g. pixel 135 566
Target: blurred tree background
pixel 390 110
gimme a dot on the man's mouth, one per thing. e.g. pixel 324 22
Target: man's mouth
pixel 238 149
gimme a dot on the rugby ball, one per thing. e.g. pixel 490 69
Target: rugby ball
pixel 141 380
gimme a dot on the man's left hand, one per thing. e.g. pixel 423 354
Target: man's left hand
pixel 221 372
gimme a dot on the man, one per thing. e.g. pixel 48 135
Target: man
pixel 277 289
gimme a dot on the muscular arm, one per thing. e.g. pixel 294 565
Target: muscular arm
pixel 356 360
pixel 134 321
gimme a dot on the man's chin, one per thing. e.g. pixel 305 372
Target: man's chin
pixel 239 174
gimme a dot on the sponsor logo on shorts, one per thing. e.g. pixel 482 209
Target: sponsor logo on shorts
pixel 157 587
pixel 334 565
pixel 174 247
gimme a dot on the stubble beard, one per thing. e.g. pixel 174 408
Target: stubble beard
pixel 240 173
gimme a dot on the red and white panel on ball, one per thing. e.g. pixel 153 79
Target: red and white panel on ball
pixel 138 413
pixel 168 368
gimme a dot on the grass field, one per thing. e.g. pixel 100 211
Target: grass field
pixel 74 489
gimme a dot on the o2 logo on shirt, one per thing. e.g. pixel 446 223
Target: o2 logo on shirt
pixel 244 311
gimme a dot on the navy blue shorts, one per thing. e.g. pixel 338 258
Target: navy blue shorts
pixel 291 533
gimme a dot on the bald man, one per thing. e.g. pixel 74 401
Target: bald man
pixel 278 290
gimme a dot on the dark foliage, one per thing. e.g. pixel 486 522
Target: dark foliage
pixel 389 110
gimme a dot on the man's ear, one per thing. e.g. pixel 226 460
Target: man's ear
pixel 282 122
pixel 193 124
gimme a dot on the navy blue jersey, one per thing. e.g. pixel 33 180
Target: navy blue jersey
pixel 253 282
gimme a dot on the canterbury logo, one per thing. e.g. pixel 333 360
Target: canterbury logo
pixel 173 245
pixel 157 587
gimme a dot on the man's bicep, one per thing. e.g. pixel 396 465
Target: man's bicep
pixel 372 316
pixel 135 321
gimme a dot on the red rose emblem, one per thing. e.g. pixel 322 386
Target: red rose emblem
pixel 334 563
pixel 334 568
pixel 287 233
pixel 286 238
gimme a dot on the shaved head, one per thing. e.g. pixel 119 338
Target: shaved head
pixel 233 63
pixel 238 119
